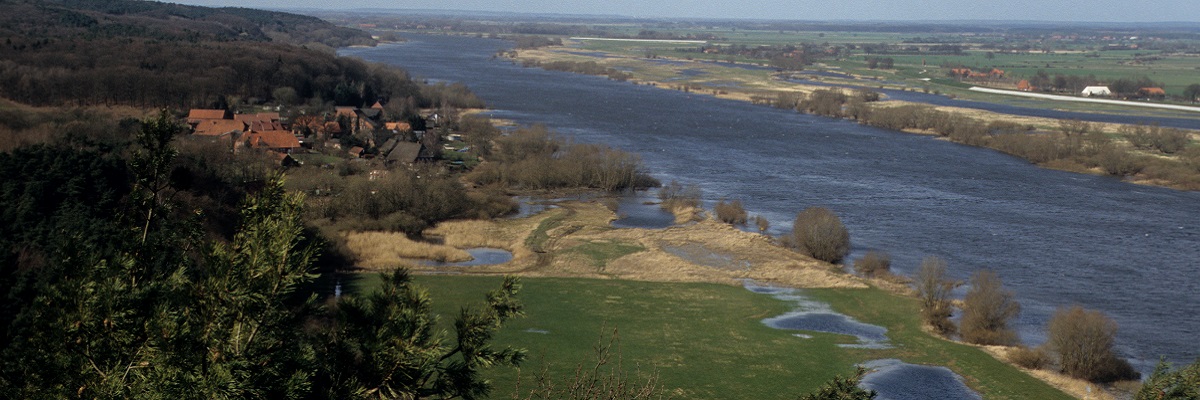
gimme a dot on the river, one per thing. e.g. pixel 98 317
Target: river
pixel 1055 238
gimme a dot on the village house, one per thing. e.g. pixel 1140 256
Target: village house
pixel 257 131
pixel 1152 92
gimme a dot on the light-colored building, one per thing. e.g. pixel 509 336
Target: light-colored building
pixel 1096 91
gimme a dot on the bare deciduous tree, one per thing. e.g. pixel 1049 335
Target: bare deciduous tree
pixel 934 290
pixel 1083 340
pixel 987 309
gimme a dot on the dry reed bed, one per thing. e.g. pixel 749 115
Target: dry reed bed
pixel 588 223
pixel 383 250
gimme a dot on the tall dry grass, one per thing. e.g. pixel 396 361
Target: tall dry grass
pixel 389 249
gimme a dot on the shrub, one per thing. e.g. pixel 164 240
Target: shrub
pixel 874 264
pixel 1031 358
pixel 987 309
pixel 1118 162
pixel 675 195
pixel 762 223
pixel 1154 137
pixel 827 102
pixel 731 212
pixel 1083 341
pixel 819 233
pixel 934 288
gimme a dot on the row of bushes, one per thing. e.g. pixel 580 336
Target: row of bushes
pixel 1076 145
pixel 580 67
pixel 400 200
pixel 535 158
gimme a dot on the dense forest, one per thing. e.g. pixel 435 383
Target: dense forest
pixel 167 21
pixel 148 54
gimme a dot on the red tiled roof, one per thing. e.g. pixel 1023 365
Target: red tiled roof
pixel 1153 91
pixel 398 126
pixel 280 140
pixel 217 127
pixel 263 126
pixel 200 114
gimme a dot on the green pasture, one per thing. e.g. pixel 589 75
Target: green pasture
pixel 1174 72
pixel 706 340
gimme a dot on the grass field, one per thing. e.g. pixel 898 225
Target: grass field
pixel 1174 71
pixel 707 340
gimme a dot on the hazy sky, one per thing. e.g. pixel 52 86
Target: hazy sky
pixel 1025 10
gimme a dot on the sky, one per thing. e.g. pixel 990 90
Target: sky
pixel 809 10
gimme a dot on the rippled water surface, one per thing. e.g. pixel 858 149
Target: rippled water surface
pixel 1055 238
pixel 895 380
pixel 480 256
pixel 810 315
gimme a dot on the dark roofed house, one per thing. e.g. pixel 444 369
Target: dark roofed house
pixel 388 145
pixel 284 159
pixel 405 152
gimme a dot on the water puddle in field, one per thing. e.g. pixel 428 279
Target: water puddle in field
pixel 698 254
pixel 481 256
pixel 895 380
pixel 641 210
pixel 530 206
pixel 815 316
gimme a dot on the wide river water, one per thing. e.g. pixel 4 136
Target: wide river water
pixel 1055 238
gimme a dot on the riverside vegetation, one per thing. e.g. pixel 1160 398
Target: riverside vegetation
pixel 140 264
pixel 1143 154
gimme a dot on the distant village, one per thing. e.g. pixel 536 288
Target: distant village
pixel 352 132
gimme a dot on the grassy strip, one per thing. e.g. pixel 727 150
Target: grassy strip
pixel 538 238
pixel 601 252
pixel 707 341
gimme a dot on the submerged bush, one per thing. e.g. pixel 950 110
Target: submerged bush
pixel 875 264
pixel 1083 341
pixel 676 195
pixel 731 213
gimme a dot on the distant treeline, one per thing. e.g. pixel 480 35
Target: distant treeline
pixel 150 73
pixel 1075 145
pixel 95 19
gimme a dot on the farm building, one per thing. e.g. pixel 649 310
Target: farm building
pixel 1096 91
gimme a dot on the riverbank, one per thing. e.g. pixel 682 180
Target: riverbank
pixel 574 240
pixel 1115 150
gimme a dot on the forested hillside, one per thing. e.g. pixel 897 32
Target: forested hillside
pixel 149 54
pixel 167 21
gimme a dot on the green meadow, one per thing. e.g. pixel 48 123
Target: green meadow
pixel 913 72
pixel 706 341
